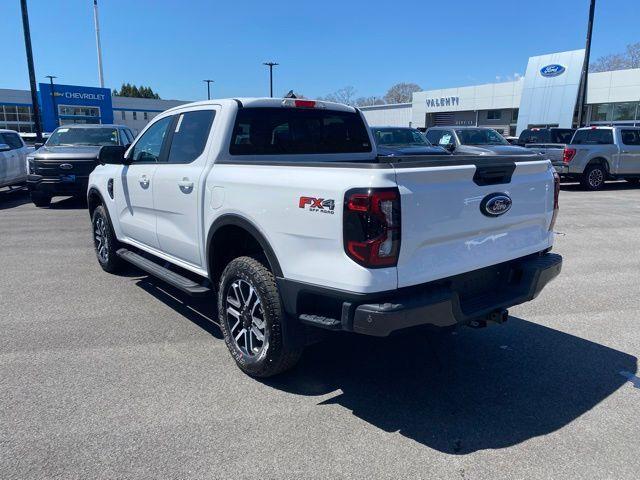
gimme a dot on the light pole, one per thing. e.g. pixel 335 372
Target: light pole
pixel 53 99
pixel 98 47
pixel 208 82
pixel 270 65
pixel 582 91
pixel 32 73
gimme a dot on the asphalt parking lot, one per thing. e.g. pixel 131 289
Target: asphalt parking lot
pixel 107 376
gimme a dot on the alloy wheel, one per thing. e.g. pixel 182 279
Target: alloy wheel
pixel 596 177
pixel 245 318
pixel 102 242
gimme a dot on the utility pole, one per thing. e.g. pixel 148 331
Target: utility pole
pixel 53 99
pixel 32 73
pixel 582 91
pixel 208 82
pixel 270 65
pixel 99 48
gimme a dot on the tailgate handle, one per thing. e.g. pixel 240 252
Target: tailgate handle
pixel 493 174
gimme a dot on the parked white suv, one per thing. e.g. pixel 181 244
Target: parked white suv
pixel 13 158
pixel 283 208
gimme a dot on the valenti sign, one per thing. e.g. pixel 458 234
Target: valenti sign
pixel 443 102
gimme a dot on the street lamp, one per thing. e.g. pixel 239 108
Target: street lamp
pixel 32 75
pixel 208 82
pixel 270 65
pixel 53 99
pixel 582 91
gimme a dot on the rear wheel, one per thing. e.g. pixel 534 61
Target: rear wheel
pixel 40 199
pixel 251 318
pixel 593 177
pixel 105 242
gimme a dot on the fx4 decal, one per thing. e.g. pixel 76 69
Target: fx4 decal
pixel 318 204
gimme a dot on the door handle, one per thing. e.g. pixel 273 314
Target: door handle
pixel 144 181
pixel 625 151
pixel 186 185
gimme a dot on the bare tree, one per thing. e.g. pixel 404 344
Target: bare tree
pixel 346 95
pixel 401 92
pixel 618 61
pixel 369 101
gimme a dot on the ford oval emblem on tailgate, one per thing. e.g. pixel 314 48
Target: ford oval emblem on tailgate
pixel 495 204
pixel 66 166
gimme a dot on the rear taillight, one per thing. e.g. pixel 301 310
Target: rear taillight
pixel 372 226
pixel 556 196
pixel 568 155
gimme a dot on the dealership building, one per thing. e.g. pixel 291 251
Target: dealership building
pixel 76 104
pixel 545 96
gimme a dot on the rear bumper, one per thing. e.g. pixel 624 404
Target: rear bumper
pixel 55 186
pixel 457 300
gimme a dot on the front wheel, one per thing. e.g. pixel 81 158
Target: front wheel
pixel 40 199
pixel 105 241
pixel 251 318
pixel 593 177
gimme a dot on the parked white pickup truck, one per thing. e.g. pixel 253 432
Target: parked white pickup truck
pixel 283 208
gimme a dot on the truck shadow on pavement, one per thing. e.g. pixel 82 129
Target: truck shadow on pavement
pixel 11 198
pixel 463 392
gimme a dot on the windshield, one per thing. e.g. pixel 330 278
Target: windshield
pixel 83 136
pixel 480 136
pixel 399 137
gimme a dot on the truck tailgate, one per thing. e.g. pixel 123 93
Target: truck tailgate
pixel 444 229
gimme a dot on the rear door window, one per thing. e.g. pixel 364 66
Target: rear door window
pixel 562 136
pixel 282 131
pixel 190 136
pixel 630 137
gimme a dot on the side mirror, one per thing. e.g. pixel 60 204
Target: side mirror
pixel 4 147
pixel 38 145
pixel 112 155
pixel 450 146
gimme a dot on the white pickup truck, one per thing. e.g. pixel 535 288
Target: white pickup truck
pixel 283 209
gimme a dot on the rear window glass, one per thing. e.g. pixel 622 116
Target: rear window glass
pixel 282 131
pixel 562 136
pixel 593 137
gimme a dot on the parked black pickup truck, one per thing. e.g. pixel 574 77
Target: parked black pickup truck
pixel 61 167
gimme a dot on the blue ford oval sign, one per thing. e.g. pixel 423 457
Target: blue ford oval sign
pixel 552 70
pixel 495 204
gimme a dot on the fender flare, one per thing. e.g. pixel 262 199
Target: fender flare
pixel 90 192
pixel 238 221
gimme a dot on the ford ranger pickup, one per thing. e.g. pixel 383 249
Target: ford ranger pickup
pixel 282 211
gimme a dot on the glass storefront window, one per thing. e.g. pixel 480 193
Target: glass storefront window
pixel 624 111
pixel 602 112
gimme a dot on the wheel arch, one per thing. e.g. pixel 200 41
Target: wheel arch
pixel 599 161
pixel 94 198
pixel 226 228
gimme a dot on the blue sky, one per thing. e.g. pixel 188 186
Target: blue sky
pixel 172 45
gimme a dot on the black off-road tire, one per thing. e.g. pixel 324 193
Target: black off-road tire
pixel 40 199
pixel 275 355
pixel 105 242
pixel 594 177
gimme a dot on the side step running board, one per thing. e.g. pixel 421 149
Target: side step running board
pixel 172 278
pixel 321 322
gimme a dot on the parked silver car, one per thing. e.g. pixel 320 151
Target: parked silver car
pixel 473 141
pixel 597 154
